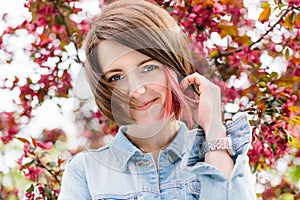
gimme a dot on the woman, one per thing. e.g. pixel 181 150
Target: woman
pixel 142 77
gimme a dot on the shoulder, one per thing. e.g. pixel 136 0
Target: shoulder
pixel 89 157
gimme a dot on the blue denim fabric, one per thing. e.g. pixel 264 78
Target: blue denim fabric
pixel 121 171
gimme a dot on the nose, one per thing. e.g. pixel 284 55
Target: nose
pixel 138 92
pixel 136 87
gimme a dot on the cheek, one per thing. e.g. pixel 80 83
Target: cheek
pixel 164 93
pixel 162 83
pixel 161 89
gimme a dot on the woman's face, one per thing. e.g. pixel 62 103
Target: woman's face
pixel 141 78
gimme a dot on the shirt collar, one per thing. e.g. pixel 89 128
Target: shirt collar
pixel 124 150
pixel 176 145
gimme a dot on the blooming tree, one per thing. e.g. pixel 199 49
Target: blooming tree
pixel 253 49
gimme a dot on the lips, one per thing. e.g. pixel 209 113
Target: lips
pixel 145 105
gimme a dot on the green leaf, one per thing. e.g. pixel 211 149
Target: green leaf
pixel 288 136
pixel 295 173
pixel 48 192
pixel 287 196
pixel 214 53
pixel 293 18
pixel 30 189
pixel 262 84
pixel 67 8
pixel 287 54
pixel 274 75
pixel 280 6
pixel 294 142
pixel 264 77
pixel 27 164
pixel 51 164
pixel 59 19
pixel 265 4
pixel 273 146
pixel 295 120
pixel 44 153
pixel 287 22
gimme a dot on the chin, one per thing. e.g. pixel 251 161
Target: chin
pixel 147 117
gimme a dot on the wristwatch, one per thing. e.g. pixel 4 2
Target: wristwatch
pixel 217 144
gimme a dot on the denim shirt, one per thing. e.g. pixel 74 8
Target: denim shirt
pixel 121 171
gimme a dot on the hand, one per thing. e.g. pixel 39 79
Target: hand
pixel 209 105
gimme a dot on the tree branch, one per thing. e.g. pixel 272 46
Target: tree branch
pixel 68 30
pixel 69 34
pixel 40 164
pixel 227 53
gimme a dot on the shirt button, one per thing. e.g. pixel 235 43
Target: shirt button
pixel 172 157
pixel 144 163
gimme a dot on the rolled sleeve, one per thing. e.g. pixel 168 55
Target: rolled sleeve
pixel 241 183
pixel 239 130
pixel 241 135
pixel 74 185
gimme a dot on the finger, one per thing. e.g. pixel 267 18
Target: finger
pixel 184 83
pixel 194 78
pixel 189 80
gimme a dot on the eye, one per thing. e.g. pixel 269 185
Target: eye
pixel 148 68
pixel 115 78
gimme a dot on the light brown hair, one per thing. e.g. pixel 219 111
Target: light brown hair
pixel 146 28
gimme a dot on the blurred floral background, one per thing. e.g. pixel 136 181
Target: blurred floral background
pixel 47 112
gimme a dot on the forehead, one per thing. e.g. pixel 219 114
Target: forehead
pixel 112 55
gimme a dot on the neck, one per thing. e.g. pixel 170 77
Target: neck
pixel 155 137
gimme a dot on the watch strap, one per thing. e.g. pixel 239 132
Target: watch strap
pixel 217 144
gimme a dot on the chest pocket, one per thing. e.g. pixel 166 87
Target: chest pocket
pixel 187 190
pixel 115 197
pixel 193 189
pixel 194 186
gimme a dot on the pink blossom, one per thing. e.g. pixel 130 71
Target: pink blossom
pixel 31 173
pixel 295 3
pixel 20 162
pixel 8 126
pixel 217 8
pixel 46 146
pixel 41 188
pixel 29 196
pixel 28 149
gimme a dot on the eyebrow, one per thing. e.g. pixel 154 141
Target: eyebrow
pixel 118 70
